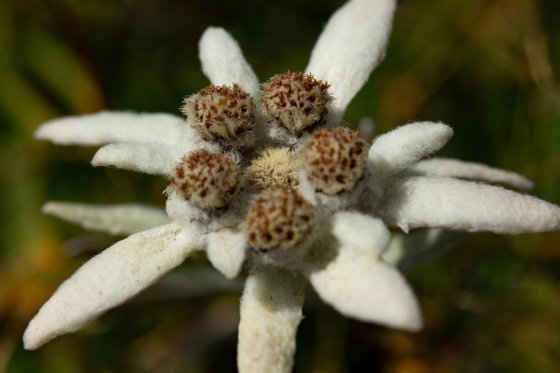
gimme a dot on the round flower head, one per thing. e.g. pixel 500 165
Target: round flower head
pixel 296 101
pixel 335 160
pixel 208 180
pixel 221 113
pixel 274 167
pixel 278 219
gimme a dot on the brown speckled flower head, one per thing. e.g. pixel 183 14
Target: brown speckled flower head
pixel 296 101
pixel 207 179
pixel 221 113
pixel 278 218
pixel 335 159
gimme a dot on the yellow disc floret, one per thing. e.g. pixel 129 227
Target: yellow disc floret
pixel 274 167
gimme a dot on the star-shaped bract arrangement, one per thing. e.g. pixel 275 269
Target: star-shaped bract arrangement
pixel 264 175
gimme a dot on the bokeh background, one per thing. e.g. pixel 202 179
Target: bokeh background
pixel 489 68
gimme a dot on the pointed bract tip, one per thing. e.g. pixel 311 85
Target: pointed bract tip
pixel 32 340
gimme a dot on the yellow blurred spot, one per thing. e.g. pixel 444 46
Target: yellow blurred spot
pixel 409 366
pixel 402 99
pixel 29 277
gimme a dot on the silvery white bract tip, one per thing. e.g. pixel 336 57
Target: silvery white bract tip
pixel 358 283
pixel 223 61
pixel 109 127
pixel 270 315
pixel 122 219
pixel 374 236
pixel 226 251
pixel 111 278
pixel 151 159
pixel 393 151
pixel 469 171
pixel 350 47
pixel 442 202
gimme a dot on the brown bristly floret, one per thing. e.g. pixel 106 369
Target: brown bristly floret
pixel 335 160
pixel 221 113
pixel 208 180
pixel 296 101
pixel 278 219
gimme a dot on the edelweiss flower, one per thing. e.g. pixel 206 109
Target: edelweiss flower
pixel 268 179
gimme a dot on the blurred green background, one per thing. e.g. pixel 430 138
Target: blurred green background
pixel 487 67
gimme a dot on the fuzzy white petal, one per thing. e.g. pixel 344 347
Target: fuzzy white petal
pixel 223 61
pixel 469 171
pixel 361 232
pixel 351 46
pixel 149 158
pixel 442 202
pixel 405 145
pixel 305 188
pixel 114 219
pixel 110 278
pixel 108 127
pixel 363 287
pixel 179 208
pixel 226 251
pixel 270 314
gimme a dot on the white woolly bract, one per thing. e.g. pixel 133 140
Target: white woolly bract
pixel 226 250
pixel 122 219
pixel 357 284
pixel 469 171
pixel 223 61
pixel 373 235
pixel 270 314
pixel 109 127
pixel 350 47
pixel 305 188
pixel 405 145
pixel 155 159
pixel 442 202
pixel 178 208
pixel 110 278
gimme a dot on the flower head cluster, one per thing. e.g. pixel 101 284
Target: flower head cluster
pixel 266 176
